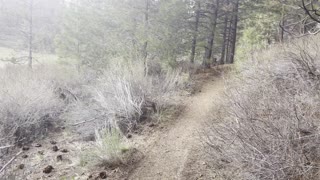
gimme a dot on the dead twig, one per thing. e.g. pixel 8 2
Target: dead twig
pixel 83 122
pixel 5 147
pixel 9 162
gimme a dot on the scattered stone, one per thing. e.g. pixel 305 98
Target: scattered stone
pixel 63 127
pixel 25 156
pixel 21 166
pixel 151 125
pixel 41 152
pixel 25 148
pixel 103 175
pixel 48 169
pixel 37 145
pixel 90 176
pixel 59 158
pixel 55 148
pixel 53 142
pixel 89 137
pixel 129 136
pixel 124 150
pixel 64 150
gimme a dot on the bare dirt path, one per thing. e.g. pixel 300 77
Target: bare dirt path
pixel 175 154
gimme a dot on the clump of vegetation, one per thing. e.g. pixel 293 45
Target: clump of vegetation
pixel 29 105
pixel 32 102
pixel 106 151
pixel 119 96
pixel 269 127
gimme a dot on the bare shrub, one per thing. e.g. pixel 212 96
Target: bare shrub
pixel 28 104
pixel 120 94
pixel 269 126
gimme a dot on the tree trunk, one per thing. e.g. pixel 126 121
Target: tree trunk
pixel 282 24
pixel 30 35
pixel 145 46
pixel 228 41
pixel 209 47
pixel 195 35
pixel 234 31
pixel 224 43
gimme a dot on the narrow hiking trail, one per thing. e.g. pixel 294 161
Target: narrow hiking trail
pixel 175 153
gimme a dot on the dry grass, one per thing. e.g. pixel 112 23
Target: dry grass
pixel 269 126
pixel 120 94
pixel 28 104
pixel 90 101
pixel 106 151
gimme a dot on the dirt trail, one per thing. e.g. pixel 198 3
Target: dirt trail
pixel 172 152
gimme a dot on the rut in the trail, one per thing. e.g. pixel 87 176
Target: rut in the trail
pixel 169 155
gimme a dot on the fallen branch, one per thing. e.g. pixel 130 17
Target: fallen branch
pixel 83 122
pixel 9 162
pixel 5 147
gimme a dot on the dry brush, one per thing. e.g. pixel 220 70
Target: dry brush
pixel 269 125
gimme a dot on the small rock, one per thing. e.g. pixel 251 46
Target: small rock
pixel 90 176
pixel 90 137
pixel 25 148
pixel 59 158
pixel 129 136
pixel 151 125
pixel 63 127
pixel 37 145
pixel 48 169
pixel 64 150
pixel 55 148
pixel 25 156
pixel 21 166
pixel 103 175
pixel 53 142
pixel 41 152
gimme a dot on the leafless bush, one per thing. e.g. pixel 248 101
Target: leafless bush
pixel 120 94
pixel 32 101
pixel 269 126
pixel 28 104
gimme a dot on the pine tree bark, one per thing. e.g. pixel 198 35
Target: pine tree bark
pixel 224 43
pixel 228 41
pixel 234 31
pixel 210 39
pixel 282 25
pixel 30 35
pixel 145 45
pixel 195 35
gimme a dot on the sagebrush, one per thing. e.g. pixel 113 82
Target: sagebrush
pixel 269 126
